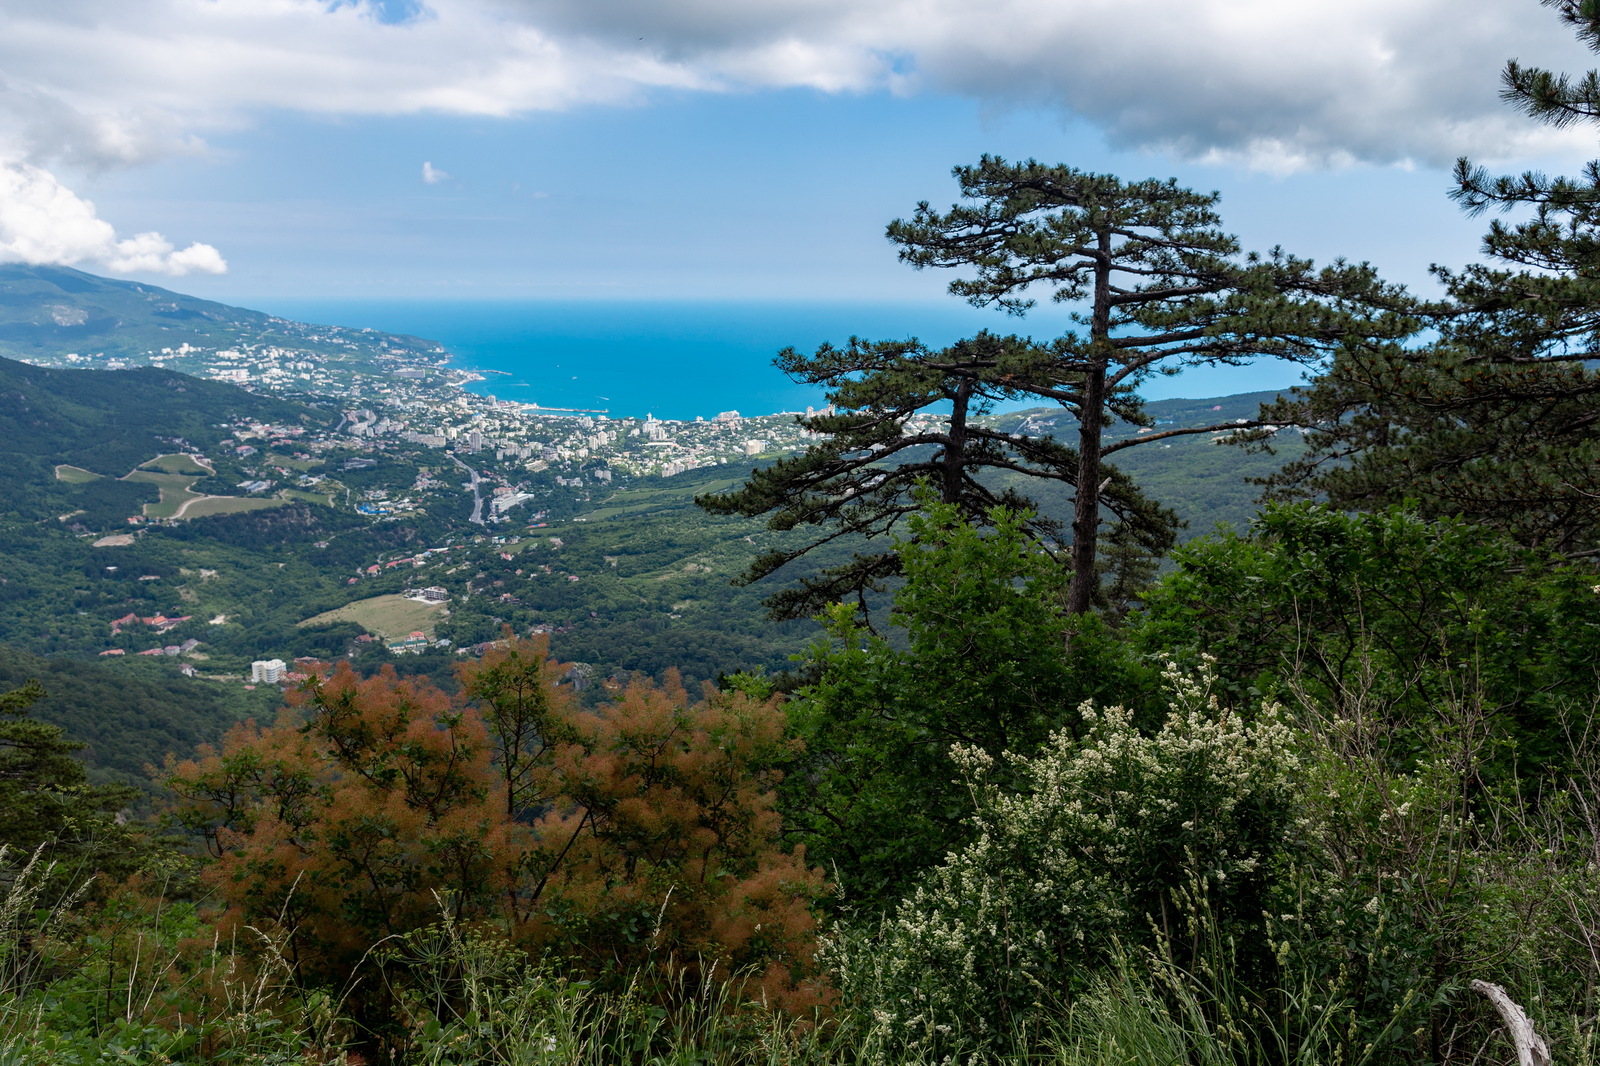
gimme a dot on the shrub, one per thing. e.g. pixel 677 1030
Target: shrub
pixel 640 835
pixel 1117 840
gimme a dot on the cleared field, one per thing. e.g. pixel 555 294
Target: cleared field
pixel 642 500
pixel 201 506
pixel 301 465
pixel 174 474
pixel 174 491
pixel 176 464
pixel 390 617
pixel 76 475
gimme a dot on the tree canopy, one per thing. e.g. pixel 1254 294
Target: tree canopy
pixel 1156 285
pixel 46 799
pixel 1497 420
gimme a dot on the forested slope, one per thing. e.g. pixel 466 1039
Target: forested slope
pixel 107 422
pixel 130 715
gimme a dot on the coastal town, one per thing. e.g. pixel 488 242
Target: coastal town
pixel 400 396
pixel 396 434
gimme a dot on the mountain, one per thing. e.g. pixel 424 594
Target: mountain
pixel 48 310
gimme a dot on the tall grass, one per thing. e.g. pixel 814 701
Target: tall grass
pixel 465 997
pixel 133 980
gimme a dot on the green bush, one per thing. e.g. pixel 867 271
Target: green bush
pixel 1117 840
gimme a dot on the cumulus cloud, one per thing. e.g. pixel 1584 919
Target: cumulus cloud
pixel 1278 85
pixel 43 222
pixel 1310 83
pixel 432 176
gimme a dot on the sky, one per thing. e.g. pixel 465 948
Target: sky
pixel 274 150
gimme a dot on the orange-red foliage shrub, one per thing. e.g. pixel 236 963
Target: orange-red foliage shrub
pixel 641 833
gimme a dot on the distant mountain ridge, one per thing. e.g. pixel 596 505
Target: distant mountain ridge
pixel 50 310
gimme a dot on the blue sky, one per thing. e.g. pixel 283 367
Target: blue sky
pixel 778 195
pixel 262 150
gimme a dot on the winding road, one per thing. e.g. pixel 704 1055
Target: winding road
pixel 477 497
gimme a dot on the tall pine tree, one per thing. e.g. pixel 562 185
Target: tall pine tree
pixel 879 441
pixel 1156 285
pixel 1499 421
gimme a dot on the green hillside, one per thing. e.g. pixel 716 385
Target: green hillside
pixel 630 577
pixel 108 422
pixel 46 311
pixel 639 582
pixel 131 714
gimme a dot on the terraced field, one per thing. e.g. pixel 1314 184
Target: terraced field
pixel 202 506
pixel 175 463
pixel 174 475
pixel 174 488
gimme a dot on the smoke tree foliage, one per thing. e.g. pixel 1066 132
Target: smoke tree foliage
pixel 642 834
pixel 1093 844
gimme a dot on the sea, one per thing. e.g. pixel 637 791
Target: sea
pixel 682 360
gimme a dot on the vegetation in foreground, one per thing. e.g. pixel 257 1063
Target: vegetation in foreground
pixel 1284 827
pixel 1324 793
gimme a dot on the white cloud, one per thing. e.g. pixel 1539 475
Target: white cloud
pixel 1280 84
pixel 431 176
pixel 44 222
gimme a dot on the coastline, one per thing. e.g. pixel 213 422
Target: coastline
pixel 686 360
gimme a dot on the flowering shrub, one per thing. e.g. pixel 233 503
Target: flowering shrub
pixel 1120 838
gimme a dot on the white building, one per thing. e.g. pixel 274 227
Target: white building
pixel 268 671
pixel 503 502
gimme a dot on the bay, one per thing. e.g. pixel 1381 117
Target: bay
pixel 681 360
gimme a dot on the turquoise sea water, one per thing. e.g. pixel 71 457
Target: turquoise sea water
pixel 680 360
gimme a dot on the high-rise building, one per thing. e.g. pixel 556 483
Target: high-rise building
pixel 267 671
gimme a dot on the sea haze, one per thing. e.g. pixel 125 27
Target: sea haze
pixel 687 359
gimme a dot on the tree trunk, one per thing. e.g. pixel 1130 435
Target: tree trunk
pixel 955 452
pixel 1091 418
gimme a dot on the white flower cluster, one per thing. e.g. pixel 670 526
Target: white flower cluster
pixel 1100 839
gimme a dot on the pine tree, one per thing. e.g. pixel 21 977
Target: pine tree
pixel 1157 285
pixel 45 795
pixel 879 444
pixel 1499 421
